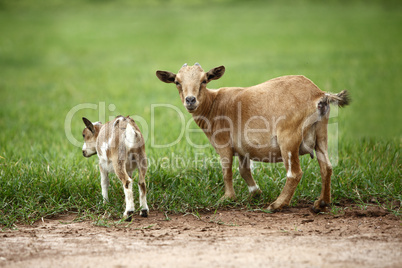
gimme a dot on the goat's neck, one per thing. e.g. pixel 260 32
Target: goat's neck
pixel 203 115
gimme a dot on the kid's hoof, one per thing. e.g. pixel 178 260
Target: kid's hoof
pixel 255 193
pixel 129 215
pixel 144 213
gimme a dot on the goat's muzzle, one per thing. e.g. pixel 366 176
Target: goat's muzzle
pixel 191 103
pixel 85 154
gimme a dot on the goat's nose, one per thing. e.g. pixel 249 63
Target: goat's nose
pixel 83 153
pixel 190 100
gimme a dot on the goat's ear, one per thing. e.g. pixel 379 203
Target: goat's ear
pixel 166 77
pixel 89 125
pixel 215 73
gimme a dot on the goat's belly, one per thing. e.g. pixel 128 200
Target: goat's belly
pixel 264 151
pixel 271 156
pixel 270 152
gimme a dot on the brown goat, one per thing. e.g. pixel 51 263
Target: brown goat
pixel 275 121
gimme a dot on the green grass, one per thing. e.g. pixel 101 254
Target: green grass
pixel 55 56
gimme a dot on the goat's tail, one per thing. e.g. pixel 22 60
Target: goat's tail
pixel 341 99
pixel 131 136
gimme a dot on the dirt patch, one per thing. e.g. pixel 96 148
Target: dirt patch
pixel 231 238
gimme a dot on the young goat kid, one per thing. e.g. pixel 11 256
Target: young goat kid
pixel 120 148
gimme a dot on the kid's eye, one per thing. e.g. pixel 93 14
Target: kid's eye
pixel 204 82
pixel 177 83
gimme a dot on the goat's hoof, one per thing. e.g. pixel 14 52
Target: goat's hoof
pixel 129 215
pixel 274 207
pixel 319 206
pixel 255 193
pixel 273 210
pixel 144 213
pixel 225 200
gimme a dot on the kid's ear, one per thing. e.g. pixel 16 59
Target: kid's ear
pixel 215 73
pixel 166 77
pixel 89 125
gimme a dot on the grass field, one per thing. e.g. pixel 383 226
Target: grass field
pixel 59 62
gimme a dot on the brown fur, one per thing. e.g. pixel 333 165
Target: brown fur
pixel 121 152
pixel 275 121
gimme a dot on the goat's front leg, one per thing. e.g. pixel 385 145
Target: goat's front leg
pixel 226 159
pixel 104 184
pixel 245 172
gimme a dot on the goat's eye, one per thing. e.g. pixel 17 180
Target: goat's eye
pixel 204 82
pixel 177 83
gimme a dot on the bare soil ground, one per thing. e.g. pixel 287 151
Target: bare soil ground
pixel 231 238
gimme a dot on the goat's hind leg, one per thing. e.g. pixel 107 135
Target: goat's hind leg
pixel 104 184
pixel 142 188
pixel 294 175
pixel 325 169
pixel 120 170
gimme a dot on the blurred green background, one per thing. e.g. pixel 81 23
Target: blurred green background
pixel 71 52
pixel 58 55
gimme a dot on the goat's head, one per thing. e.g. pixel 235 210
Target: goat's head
pixel 90 133
pixel 191 81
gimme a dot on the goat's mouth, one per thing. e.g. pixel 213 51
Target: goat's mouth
pixel 86 154
pixel 191 108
